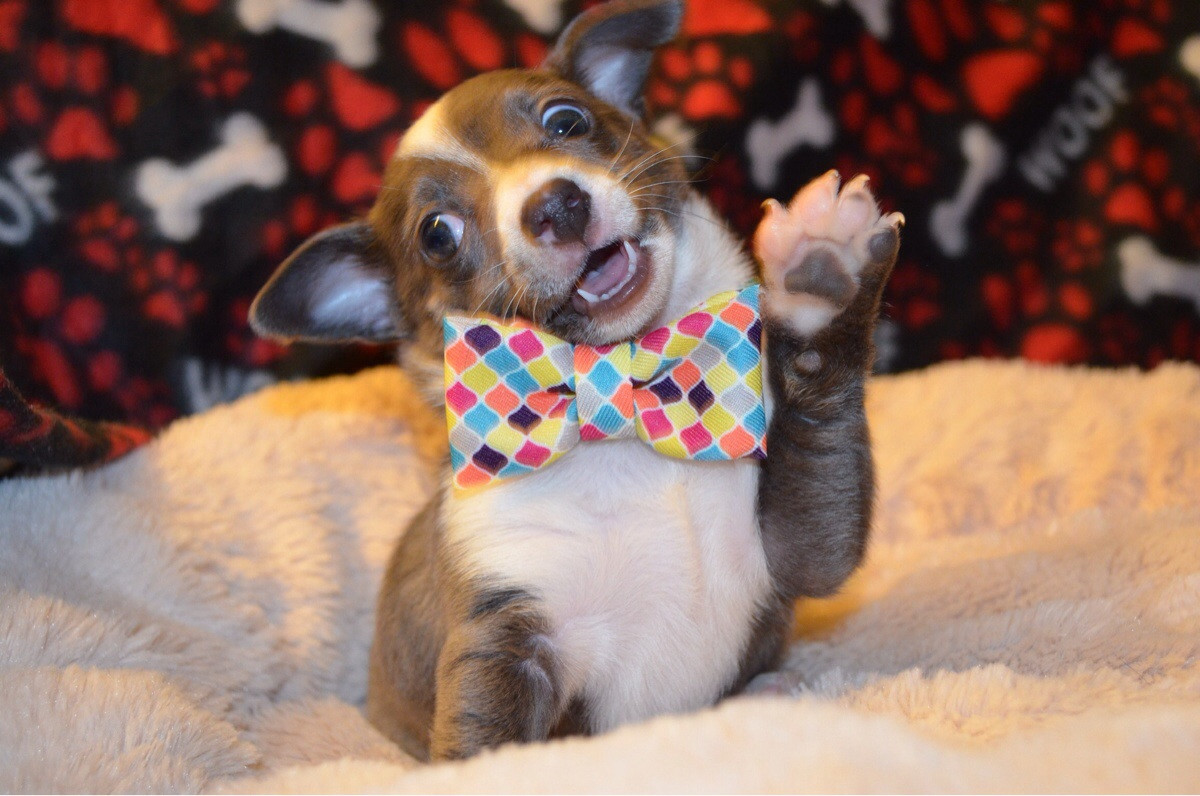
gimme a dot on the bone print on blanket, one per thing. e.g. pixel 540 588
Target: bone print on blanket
pixel 101 312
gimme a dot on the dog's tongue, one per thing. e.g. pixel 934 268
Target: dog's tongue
pixel 613 266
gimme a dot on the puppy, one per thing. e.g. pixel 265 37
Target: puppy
pixel 616 583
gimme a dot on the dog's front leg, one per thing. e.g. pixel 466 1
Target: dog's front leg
pixel 496 679
pixel 825 259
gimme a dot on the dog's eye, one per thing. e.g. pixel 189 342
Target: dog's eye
pixel 565 121
pixel 440 235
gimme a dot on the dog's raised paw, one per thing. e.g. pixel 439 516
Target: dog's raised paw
pixel 816 251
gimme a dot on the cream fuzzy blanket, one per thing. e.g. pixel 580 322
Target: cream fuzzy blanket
pixel 197 615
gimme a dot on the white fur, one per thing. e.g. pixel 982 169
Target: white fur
pixel 650 569
pixel 430 137
pixel 613 214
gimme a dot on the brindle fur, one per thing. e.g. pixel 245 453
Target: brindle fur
pixel 459 665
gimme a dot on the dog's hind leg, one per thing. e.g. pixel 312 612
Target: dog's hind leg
pixel 496 678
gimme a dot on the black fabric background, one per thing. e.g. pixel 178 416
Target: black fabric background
pixel 102 317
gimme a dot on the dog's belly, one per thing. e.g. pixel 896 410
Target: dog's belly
pixel 650 571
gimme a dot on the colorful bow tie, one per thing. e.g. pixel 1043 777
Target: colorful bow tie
pixel 517 398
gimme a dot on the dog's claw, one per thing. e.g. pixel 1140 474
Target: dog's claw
pixel 815 251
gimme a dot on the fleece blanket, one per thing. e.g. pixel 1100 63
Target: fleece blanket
pixel 197 615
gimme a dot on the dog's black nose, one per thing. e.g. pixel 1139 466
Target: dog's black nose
pixel 557 212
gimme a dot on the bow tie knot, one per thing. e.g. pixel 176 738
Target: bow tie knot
pixel 517 397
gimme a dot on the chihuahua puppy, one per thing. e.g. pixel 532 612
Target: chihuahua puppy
pixel 617 583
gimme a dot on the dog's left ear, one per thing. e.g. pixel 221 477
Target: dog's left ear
pixel 335 288
pixel 607 49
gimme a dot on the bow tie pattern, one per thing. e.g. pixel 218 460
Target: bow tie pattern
pixel 517 398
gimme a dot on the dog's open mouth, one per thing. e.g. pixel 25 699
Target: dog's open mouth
pixel 611 276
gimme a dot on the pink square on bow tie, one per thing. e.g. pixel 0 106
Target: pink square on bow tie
pixel 532 455
pixel 460 398
pixel 656 423
pixel 526 345
pixel 696 437
pixel 656 340
pixel 695 324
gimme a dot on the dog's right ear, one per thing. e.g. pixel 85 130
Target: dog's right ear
pixel 336 287
pixel 607 49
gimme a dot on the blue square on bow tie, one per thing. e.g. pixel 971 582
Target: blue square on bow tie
pixel 712 453
pixel 756 420
pixel 608 420
pixel 514 469
pixel 481 419
pixel 457 458
pixel 604 377
pixel 521 382
pixel 743 356
pixel 502 360
pixel 722 335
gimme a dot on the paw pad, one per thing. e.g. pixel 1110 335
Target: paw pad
pixel 815 250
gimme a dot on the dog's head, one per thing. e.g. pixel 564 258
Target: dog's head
pixel 534 193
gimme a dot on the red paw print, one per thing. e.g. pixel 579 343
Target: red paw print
pixel 220 69
pixel 1036 297
pixel 1139 185
pixel 352 129
pixel 465 45
pixel 170 289
pixel 1079 244
pixel 874 107
pixel 304 217
pixel 912 296
pixel 67 329
pixel 107 239
pixel 731 195
pixel 1016 226
pixel 700 81
pixel 73 90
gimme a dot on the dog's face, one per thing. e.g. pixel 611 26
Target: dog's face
pixel 531 193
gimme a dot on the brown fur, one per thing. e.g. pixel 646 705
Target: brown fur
pixel 459 664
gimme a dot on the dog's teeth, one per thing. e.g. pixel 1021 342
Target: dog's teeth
pixel 630 269
pixel 628 273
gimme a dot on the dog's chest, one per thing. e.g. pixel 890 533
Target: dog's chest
pixel 649 569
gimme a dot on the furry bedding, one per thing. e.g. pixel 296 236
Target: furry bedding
pixel 196 616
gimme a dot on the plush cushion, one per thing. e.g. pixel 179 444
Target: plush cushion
pixel 197 615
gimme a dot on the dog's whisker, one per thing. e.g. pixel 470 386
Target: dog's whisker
pixel 660 161
pixel 651 156
pixel 621 151
pixel 681 212
pixel 658 184
pixel 498 286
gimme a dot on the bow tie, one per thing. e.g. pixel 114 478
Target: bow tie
pixel 517 398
